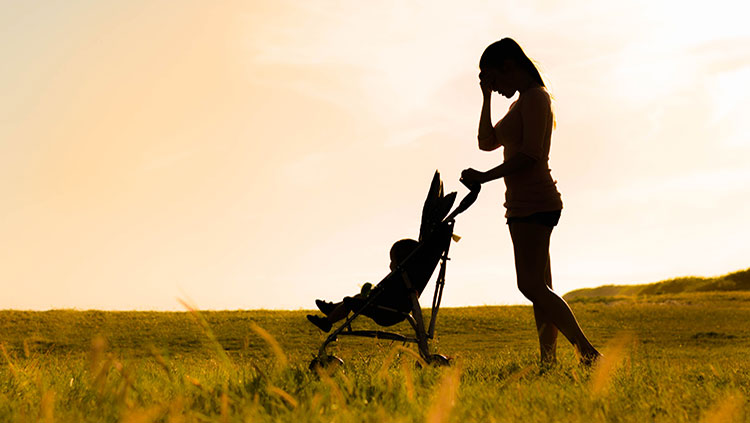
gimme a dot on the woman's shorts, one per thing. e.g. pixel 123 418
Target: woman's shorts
pixel 549 218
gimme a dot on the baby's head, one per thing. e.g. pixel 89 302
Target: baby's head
pixel 401 250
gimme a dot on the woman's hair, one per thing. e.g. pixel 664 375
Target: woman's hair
pixel 497 53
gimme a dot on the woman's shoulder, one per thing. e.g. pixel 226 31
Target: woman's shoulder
pixel 536 100
pixel 536 94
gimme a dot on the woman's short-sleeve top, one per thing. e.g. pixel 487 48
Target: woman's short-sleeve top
pixel 531 190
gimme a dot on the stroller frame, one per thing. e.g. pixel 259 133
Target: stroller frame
pixel 415 318
pixel 423 333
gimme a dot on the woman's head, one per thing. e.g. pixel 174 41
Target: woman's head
pixel 505 65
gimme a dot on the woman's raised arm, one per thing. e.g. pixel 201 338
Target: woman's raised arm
pixel 486 134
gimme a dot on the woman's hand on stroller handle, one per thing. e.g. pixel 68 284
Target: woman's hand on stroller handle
pixel 472 178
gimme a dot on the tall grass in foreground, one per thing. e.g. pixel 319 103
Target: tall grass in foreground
pixel 633 383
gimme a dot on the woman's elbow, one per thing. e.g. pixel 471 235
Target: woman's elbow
pixel 488 144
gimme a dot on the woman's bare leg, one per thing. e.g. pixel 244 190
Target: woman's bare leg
pixel 545 328
pixel 531 250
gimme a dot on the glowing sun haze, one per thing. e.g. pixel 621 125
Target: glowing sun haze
pixel 263 154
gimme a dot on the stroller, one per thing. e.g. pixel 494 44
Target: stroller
pixel 396 297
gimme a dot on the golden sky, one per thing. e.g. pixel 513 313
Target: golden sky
pixel 261 154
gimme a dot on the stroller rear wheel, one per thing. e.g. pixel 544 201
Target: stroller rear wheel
pixel 325 362
pixel 438 360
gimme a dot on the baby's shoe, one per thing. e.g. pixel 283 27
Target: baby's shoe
pixel 321 322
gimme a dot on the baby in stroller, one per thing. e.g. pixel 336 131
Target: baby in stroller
pixel 335 312
pixel 396 298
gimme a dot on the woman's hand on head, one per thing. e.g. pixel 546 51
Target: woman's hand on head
pixel 472 176
pixel 485 84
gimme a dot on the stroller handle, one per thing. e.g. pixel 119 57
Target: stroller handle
pixel 472 187
pixel 467 201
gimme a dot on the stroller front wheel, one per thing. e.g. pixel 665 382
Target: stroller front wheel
pixel 325 362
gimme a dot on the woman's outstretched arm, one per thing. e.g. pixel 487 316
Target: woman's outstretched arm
pixel 514 164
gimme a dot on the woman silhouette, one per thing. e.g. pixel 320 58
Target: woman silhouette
pixel 532 201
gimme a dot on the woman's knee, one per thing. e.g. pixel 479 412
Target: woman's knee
pixel 529 291
pixel 536 293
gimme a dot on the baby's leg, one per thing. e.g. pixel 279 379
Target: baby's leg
pixel 339 312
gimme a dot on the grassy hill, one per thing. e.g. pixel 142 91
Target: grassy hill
pixel 736 281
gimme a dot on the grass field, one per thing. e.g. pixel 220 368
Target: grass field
pixel 668 358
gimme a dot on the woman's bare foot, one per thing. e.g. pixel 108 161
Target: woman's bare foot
pixel 591 358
